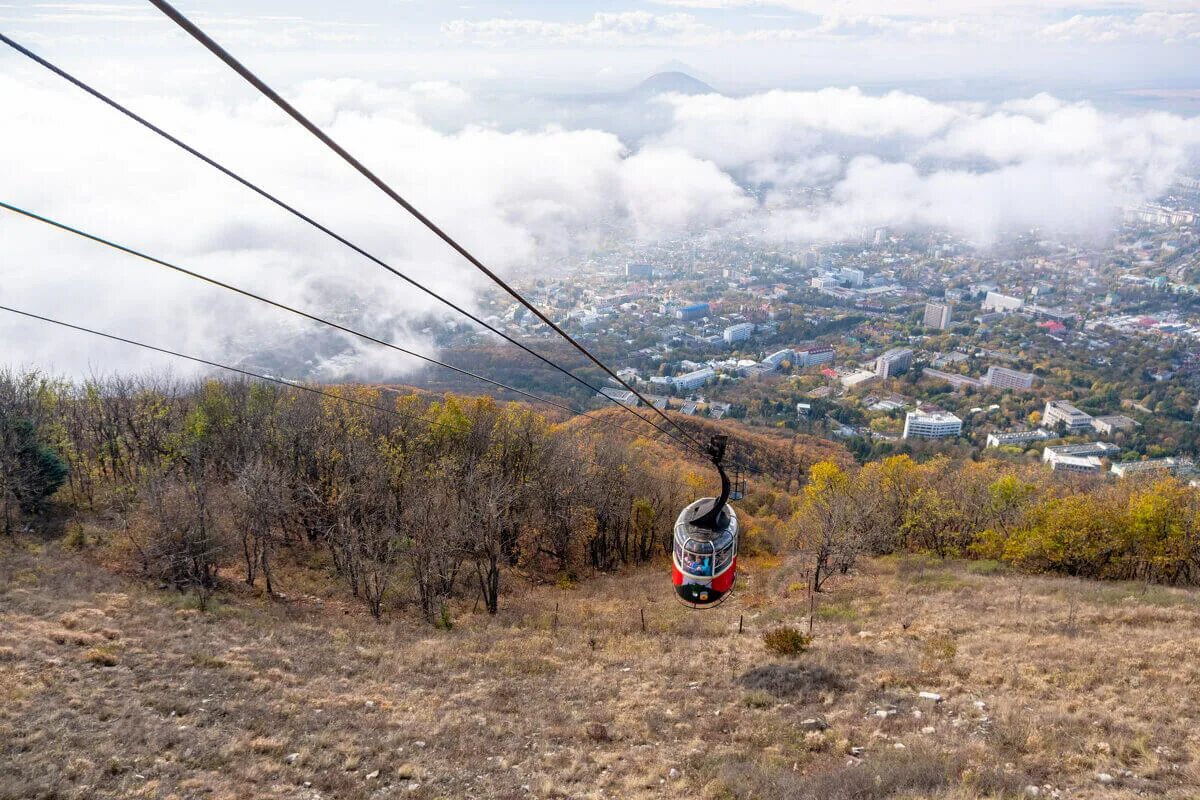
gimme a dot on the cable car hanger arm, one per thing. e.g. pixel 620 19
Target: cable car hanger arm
pixel 716 452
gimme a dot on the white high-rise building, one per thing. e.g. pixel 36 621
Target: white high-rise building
pixel 1003 378
pixel 1112 423
pixel 1079 457
pixel 1075 463
pixel 1098 449
pixel 1013 438
pixel 694 380
pixel 1165 465
pixel 938 315
pixel 894 362
pixel 1001 302
pixel 812 356
pixel 738 333
pixel 776 359
pixel 931 425
pixel 1061 411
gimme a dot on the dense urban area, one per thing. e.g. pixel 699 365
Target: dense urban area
pixel 1038 348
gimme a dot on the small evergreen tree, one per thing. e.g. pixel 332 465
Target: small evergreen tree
pixel 30 472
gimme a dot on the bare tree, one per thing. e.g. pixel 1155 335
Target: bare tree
pixel 182 539
pixel 263 503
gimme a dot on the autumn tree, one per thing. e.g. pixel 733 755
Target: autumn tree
pixel 831 521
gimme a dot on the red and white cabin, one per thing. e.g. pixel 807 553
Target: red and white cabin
pixel 704 562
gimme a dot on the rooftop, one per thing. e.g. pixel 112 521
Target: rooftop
pixel 933 416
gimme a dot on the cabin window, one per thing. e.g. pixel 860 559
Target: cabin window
pixel 725 556
pixel 698 558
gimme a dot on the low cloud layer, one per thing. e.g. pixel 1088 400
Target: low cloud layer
pixel 794 167
pixel 900 160
pixel 518 199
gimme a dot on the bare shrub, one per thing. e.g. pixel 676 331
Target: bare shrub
pixel 785 680
pixel 181 536
pixel 263 508
pixel 917 772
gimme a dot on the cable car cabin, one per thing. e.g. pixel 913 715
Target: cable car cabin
pixel 704 560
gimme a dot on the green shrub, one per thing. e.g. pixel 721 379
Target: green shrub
pixel 937 579
pixel 76 537
pixel 840 612
pixel 985 567
pixel 787 641
pixel 30 471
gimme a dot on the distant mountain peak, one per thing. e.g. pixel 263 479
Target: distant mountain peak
pixel 673 82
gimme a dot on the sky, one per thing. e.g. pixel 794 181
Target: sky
pixel 740 45
pixel 514 127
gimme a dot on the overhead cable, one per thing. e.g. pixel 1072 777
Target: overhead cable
pixel 204 39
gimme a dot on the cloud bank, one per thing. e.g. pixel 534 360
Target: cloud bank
pixel 900 160
pixel 793 167
pixel 518 199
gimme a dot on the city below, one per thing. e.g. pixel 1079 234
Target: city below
pixel 1037 348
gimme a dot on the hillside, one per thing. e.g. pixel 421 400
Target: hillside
pixel 780 454
pixel 230 589
pixel 112 688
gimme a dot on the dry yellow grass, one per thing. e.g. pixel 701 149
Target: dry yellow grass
pixel 112 689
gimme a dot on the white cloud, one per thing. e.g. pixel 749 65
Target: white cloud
pixel 830 164
pixel 624 28
pixel 90 20
pixel 1154 26
pixel 865 20
pixel 640 28
pixel 740 131
pixel 1146 151
pixel 974 169
pixel 1156 20
pixel 977 205
pixel 815 171
pixel 933 8
pixel 513 198
pixel 670 191
pixel 832 27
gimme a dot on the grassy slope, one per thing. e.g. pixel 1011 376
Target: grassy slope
pixel 112 689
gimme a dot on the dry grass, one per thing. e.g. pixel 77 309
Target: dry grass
pixel 111 689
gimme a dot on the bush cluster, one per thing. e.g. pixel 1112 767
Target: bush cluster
pixel 786 640
pixel 1146 529
pixel 410 498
